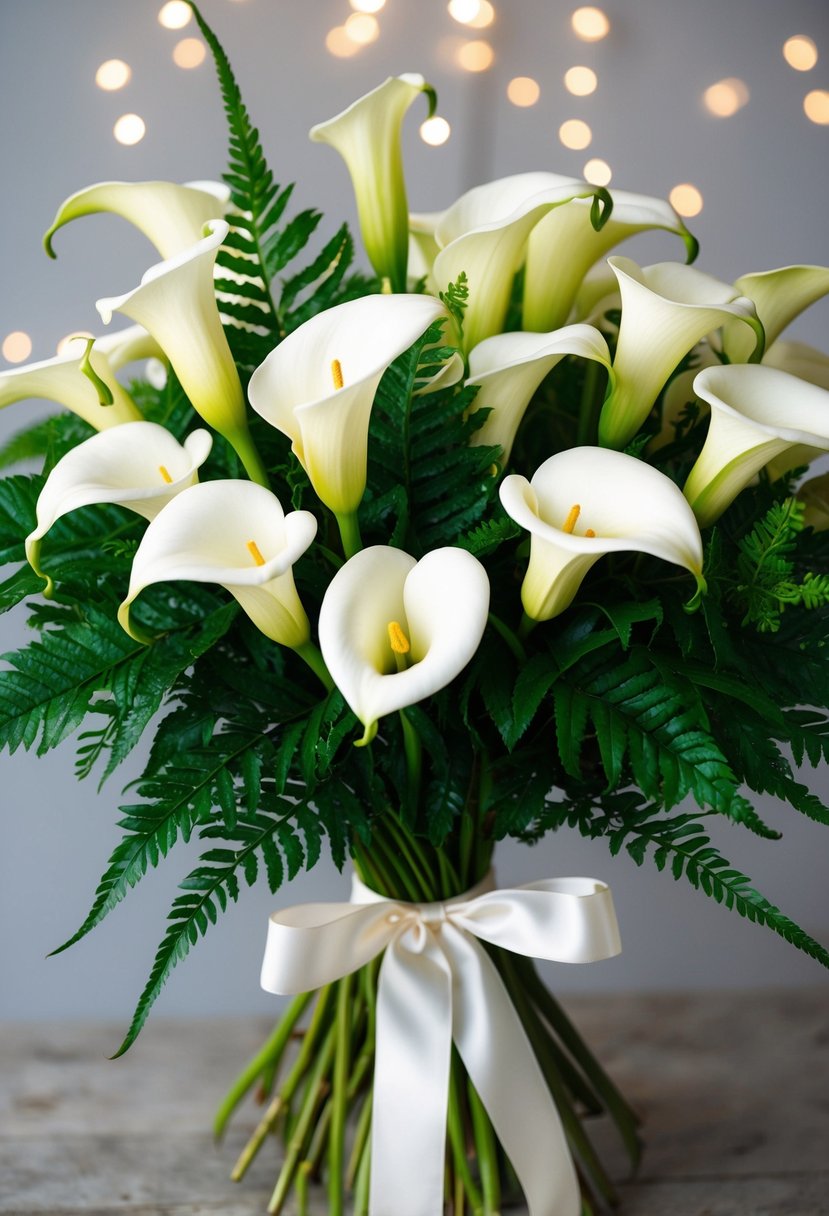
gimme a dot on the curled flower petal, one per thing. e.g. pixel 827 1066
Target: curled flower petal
pixel 236 534
pixel 757 414
pixel 440 605
pixel 169 215
pixel 779 296
pixel 138 465
pixel 60 379
pixel 326 416
pixel 586 502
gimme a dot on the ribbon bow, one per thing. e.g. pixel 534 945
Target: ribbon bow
pixel 437 984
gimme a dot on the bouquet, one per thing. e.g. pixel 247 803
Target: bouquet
pixel 504 538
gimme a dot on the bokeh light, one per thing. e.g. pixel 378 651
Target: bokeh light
pixel 367 6
pixel 523 91
pixel 476 56
pixel 580 81
pixel 816 106
pixel 174 15
pixel 16 347
pixel 464 11
pixel 726 97
pixel 597 172
pixel 575 134
pixel 189 53
pixel 435 131
pixel 113 74
pixel 129 129
pixel 686 200
pixel 362 28
pixel 800 53
pixel 484 16
pixel 590 24
pixel 338 43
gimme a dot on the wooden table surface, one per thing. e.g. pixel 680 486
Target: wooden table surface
pixel 734 1088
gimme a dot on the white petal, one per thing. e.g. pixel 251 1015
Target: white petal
pixel 798 359
pixel 509 368
pixel 779 296
pixel 60 379
pixel 171 216
pixel 757 413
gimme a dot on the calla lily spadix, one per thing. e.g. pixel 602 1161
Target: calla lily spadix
pixel 62 380
pixel 138 465
pixel 666 310
pixel 564 245
pixel 509 368
pixel 757 414
pixel 484 236
pixel 394 630
pixel 234 533
pixel 778 296
pixel 586 502
pixel 367 136
pixel 171 216
pixel 317 386
pixel 176 303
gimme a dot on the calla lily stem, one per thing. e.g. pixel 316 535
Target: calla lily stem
pixel 350 533
pixel 245 449
pixel 312 656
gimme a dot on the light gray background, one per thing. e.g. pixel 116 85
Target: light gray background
pixel 763 176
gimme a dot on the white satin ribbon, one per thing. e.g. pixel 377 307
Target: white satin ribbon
pixel 436 985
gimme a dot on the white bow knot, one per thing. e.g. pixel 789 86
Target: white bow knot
pixel 437 985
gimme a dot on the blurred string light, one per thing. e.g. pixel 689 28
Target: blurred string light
pixel 189 53
pixel 464 11
pixel 597 172
pixel 726 97
pixel 362 28
pixel 174 15
pixel 816 106
pixel 590 24
pixel 435 131
pixel 368 6
pixel 686 200
pixel 580 81
pixel 484 16
pixel 338 43
pixel 523 91
pixel 575 134
pixel 800 53
pixel 129 129
pixel 113 74
pixel 16 347
pixel 475 56
pixel 75 341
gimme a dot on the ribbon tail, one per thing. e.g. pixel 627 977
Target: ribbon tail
pixel 411 1080
pixel 502 1066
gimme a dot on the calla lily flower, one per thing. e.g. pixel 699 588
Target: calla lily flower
pixel 367 136
pixel 394 630
pixel 317 387
pixel 564 245
pixel 798 359
pixel 778 296
pixel 814 494
pixel 666 309
pixel 234 533
pixel 484 235
pixel 586 502
pixel 423 246
pixel 61 379
pixel 176 303
pixel 509 368
pixel 138 465
pixel 171 216
pixel 757 414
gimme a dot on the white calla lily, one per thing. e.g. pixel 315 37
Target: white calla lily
pixel 236 534
pixel 666 310
pixel 564 245
pixel 757 414
pixel 778 296
pixel 176 303
pixel 586 502
pixel 367 136
pixel 394 630
pixel 484 236
pixel 423 246
pixel 509 368
pixel 317 387
pixel 814 494
pixel 62 380
pixel 799 359
pixel 171 216
pixel 138 465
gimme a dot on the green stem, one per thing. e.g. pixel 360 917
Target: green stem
pixel 268 1057
pixel 314 1092
pixel 339 1097
pixel 313 657
pixel 302 1179
pixel 486 1149
pixel 526 627
pixel 349 526
pixel 402 880
pixel 245 449
pixel 309 1044
pixel 414 761
pixel 457 1141
pixel 361 1135
pixel 508 636
pixel 417 860
pixel 361 1189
